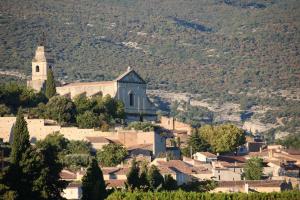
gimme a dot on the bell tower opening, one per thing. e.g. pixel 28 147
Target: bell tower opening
pixel 37 68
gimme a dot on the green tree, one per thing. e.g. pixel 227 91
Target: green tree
pixel 144 185
pixel 223 138
pixel 16 180
pixel 155 179
pixel 48 182
pixel 111 155
pixel 79 147
pixel 170 183
pixel 93 185
pixel 50 84
pixel 61 109
pixel 87 120
pixel 83 104
pixel 195 144
pixel 133 176
pixel 120 112
pixel 253 169
pixel 4 110
pixel 20 138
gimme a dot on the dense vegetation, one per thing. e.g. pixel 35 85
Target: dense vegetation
pixel 111 155
pixel 96 112
pixel 198 46
pixel 179 195
pixel 254 169
pixel 33 171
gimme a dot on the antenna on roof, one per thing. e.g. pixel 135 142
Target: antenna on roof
pixel 129 68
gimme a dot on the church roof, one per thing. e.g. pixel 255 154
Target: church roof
pixel 89 83
pixel 130 76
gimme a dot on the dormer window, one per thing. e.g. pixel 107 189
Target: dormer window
pixel 37 68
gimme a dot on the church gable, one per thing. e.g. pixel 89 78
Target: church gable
pixel 131 77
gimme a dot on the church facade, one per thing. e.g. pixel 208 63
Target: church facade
pixel 129 87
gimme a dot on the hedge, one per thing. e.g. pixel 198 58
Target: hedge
pixel 181 195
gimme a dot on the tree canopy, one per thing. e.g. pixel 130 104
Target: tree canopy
pixel 223 138
pixel 111 155
pixel 253 169
pixel 50 84
pixel 93 184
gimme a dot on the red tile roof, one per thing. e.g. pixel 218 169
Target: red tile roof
pixel 177 165
pixel 67 175
pixel 114 183
pixel 208 154
pixel 115 170
pixel 98 140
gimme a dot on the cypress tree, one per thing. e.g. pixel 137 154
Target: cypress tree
pixel 20 138
pixel 154 177
pixel 17 180
pixel 93 185
pixel 133 176
pixel 50 84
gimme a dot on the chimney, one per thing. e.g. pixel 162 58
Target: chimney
pixel 260 149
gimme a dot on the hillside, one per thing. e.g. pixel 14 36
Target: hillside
pixel 241 51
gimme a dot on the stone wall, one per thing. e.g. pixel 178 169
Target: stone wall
pixel 173 124
pixel 38 130
pixel 90 89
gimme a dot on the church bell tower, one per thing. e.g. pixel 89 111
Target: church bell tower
pixel 41 63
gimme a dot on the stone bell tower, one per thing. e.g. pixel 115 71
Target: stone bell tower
pixel 41 63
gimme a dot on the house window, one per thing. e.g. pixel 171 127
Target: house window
pixel 37 68
pixel 131 99
pixel 219 177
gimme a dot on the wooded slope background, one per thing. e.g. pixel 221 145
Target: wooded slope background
pixel 198 46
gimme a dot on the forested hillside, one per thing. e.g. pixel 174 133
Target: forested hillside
pixel 195 45
pixel 241 51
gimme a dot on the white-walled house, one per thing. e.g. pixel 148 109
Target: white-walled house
pixel 205 157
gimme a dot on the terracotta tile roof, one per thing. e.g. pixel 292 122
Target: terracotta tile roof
pixel 259 183
pixel 115 170
pixel 231 165
pixel 67 175
pixel 292 151
pixel 232 159
pixel 177 165
pixel 109 170
pixel 74 184
pixel 89 83
pixel 264 153
pixel 115 183
pixel 98 140
pixel 141 146
pixel 165 170
pixel 208 154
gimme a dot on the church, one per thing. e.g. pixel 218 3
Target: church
pixel 129 87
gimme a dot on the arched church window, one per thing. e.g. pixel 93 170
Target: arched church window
pixel 50 67
pixel 131 99
pixel 37 68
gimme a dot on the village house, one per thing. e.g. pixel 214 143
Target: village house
pixel 73 190
pixel 249 186
pixel 225 171
pixel 205 157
